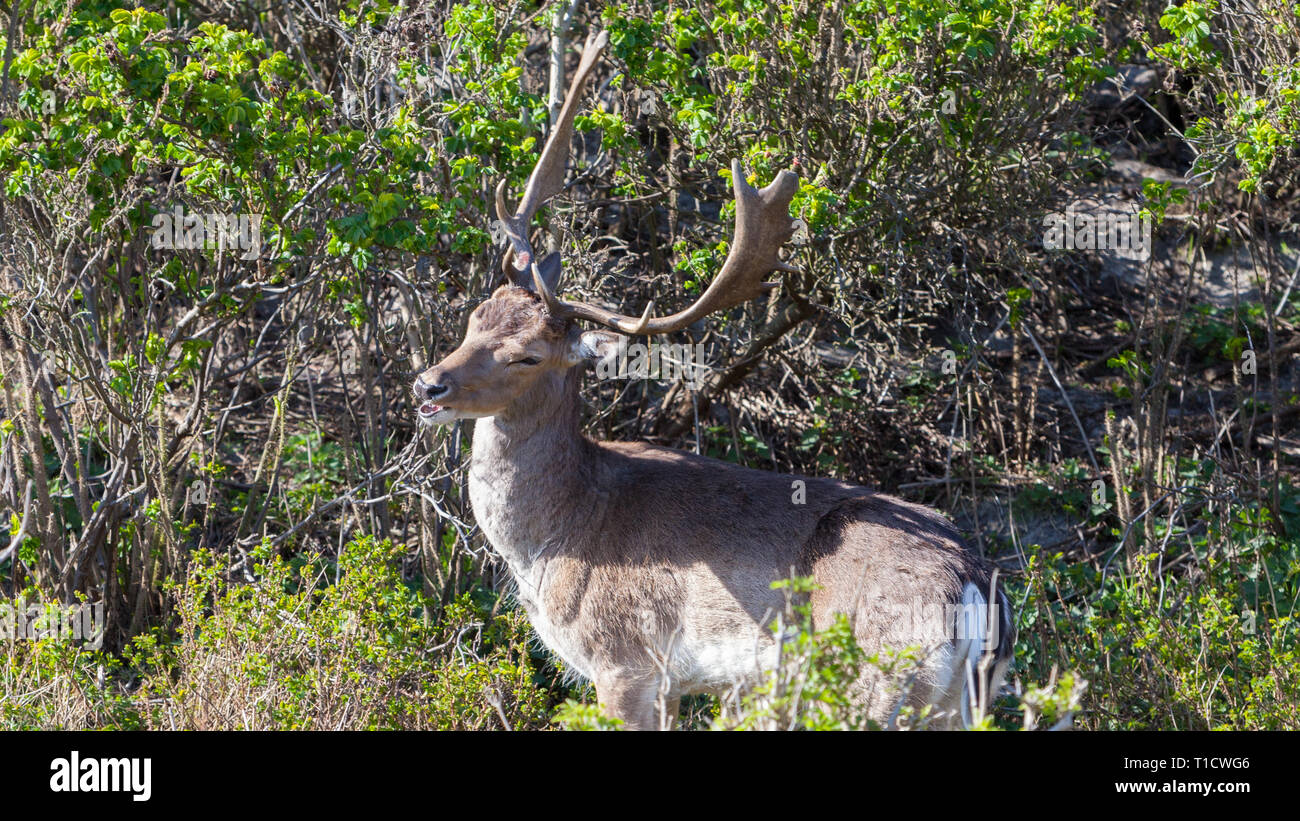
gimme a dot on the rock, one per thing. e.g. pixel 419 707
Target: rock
pixel 1134 171
pixel 1104 225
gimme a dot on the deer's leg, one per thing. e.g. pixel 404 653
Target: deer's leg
pixel 631 698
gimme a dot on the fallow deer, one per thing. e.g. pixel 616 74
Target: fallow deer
pixel 648 570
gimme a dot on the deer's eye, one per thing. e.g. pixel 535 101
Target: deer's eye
pixel 528 360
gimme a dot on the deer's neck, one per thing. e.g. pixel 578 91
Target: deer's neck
pixel 532 475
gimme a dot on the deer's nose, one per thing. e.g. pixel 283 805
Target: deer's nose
pixel 425 390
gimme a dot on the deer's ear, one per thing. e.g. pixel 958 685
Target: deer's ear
pixel 599 347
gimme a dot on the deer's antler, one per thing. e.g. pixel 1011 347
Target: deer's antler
pixel 763 225
pixel 548 175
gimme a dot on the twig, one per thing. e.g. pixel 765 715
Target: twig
pixel 18 537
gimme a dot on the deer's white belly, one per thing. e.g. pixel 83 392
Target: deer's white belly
pixel 715 661
pixel 702 658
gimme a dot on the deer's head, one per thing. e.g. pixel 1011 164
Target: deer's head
pixel 511 341
pixel 524 330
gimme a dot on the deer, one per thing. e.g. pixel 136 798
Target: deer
pixel 649 571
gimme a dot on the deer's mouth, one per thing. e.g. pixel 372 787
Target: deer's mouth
pixel 431 414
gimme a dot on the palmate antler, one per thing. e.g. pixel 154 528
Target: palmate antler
pixel 763 225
